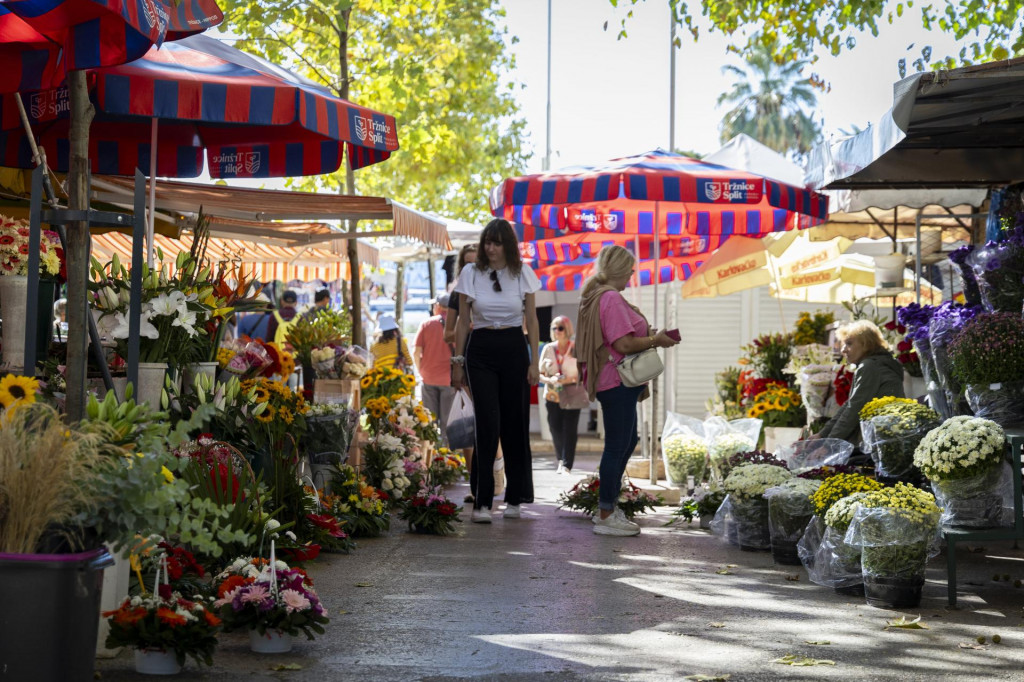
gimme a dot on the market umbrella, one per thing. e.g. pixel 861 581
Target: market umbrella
pixel 41 40
pixel 749 263
pixel 847 278
pixel 569 276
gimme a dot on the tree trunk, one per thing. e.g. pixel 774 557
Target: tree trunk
pixel 78 244
pixel 350 188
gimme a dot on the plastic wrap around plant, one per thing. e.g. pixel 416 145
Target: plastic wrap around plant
pixel 723 525
pixel 936 396
pixel 963 260
pixel 999 269
pixel 751 518
pixel 807 545
pixel 891 441
pixel 750 481
pixel 983 501
pixel 1003 403
pixel 835 564
pixel 941 331
pixel 962 447
pixel 727 438
pixel 789 512
pixel 811 454
pixel 683 449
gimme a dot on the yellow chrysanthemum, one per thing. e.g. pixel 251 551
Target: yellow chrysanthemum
pixel 17 389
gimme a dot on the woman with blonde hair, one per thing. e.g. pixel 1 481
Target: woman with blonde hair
pixel 878 375
pixel 564 395
pixel 610 328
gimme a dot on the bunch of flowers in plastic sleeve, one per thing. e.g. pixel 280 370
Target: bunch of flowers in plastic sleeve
pixel 724 446
pixel 686 454
pixel 962 259
pixel 778 406
pixel 14 247
pixel 999 267
pixel 896 529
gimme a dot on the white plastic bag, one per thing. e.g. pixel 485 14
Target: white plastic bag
pixel 499 476
pixel 461 429
pixel 683 449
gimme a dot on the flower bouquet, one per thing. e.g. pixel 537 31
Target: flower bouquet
pixel 274 606
pixel 999 268
pixel 163 628
pixel 726 439
pixel 358 503
pixel 330 429
pixel 895 336
pixel 946 323
pixel 446 467
pixel 963 458
pixel 389 382
pixel 183 573
pixel 828 560
pixel 745 486
pixel 584 497
pixel 917 318
pixel 891 428
pixel 789 512
pixel 987 357
pixel 702 504
pixel 686 455
pixel 768 355
pixel 962 259
pixel 14 236
pixel 429 512
pixel 384 465
pixel 897 530
pixel 778 406
pixel 814 367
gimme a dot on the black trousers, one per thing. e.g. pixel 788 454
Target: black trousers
pixel 563 424
pixel 496 365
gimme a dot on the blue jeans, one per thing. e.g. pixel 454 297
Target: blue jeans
pixel 618 406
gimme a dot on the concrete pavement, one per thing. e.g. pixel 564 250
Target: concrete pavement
pixel 543 598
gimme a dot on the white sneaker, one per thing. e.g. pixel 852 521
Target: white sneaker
pixel 616 524
pixel 561 468
pixel 511 511
pixel 481 515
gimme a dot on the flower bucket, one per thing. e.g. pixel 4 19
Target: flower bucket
pixel 975 502
pixel 272 642
pixel 156 662
pixel 191 371
pixel 889 270
pixel 115 588
pixel 13 306
pixel 893 592
pixel 151 383
pixel 50 615
pixel 750 518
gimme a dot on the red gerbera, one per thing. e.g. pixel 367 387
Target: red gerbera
pixel 328 523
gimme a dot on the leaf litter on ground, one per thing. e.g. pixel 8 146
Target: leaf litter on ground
pixel 708 678
pixel 796 660
pixel 818 642
pixel 902 623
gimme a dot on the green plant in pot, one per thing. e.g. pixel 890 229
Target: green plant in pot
pixel 892 428
pixel 988 358
pixel 896 529
pixel 835 565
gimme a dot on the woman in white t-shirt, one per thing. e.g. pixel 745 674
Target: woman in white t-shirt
pixel 497 296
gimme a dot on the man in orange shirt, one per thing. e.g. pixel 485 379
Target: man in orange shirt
pixel 433 362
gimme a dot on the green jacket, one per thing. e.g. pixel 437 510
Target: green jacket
pixel 878 376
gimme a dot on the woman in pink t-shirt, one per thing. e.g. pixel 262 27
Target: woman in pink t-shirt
pixel 610 329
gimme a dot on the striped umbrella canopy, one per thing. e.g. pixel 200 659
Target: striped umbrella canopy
pixel 41 40
pixel 657 193
pixel 252 118
pixel 561 249
pixel 569 276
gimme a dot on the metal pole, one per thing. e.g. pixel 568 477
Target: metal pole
pixel 672 83
pixel 654 384
pixel 151 222
pixel 917 258
pixel 432 278
pixel 547 143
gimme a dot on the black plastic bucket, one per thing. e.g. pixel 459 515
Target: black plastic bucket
pixel 784 552
pixel 892 593
pixel 50 614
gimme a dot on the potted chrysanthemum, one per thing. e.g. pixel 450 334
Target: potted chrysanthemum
pixel 728 440
pixel 896 529
pixel 789 512
pixel 964 460
pixel 274 606
pixel 685 454
pixel 829 561
pixel 746 486
pixel 891 428
pixel 988 358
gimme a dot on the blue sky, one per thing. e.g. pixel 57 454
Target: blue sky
pixel 610 97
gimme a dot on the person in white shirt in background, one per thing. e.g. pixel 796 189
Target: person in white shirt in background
pixel 497 296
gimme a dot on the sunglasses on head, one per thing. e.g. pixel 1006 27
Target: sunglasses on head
pixel 494 278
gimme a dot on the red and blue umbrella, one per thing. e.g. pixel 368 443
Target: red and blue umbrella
pixel 252 118
pixel 657 193
pixel 41 40
pixel 570 275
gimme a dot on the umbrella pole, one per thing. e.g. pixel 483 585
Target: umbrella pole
pixel 655 450
pixel 151 218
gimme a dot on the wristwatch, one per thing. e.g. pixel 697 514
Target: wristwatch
pixel 459 360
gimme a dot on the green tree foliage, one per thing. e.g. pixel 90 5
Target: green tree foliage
pixel 438 66
pixel 770 102
pixel 799 27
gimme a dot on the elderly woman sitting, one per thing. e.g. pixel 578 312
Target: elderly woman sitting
pixel 878 375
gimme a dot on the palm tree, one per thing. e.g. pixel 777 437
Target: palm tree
pixel 770 102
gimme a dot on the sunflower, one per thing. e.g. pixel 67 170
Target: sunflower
pixel 268 415
pixel 15 388
pixel 261 394
pixel 286 415
pixel 408 380
pixel 366 381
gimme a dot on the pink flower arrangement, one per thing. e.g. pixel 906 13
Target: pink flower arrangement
pixel 282 600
